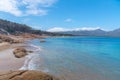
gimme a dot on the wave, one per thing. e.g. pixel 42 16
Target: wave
pixel 35 48
pixel 32 60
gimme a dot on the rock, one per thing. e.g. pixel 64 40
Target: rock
pixel 30 51
pixel 7 39
pixel 42 40
pixel 1 41
pixel 26 75
pixel 20 52
pixel 11 39
pixel 17 41
pixel 31 36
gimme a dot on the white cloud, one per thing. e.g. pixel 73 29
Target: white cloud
pixel 35 3
pixel 59 29
pixel 10 6
pixel 37 7
pixel 26 7
pixel 36 12
pixel 87 28
pixel 68 20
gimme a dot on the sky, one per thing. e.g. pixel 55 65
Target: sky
pixel 59 15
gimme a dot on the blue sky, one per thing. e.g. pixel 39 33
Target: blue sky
pixel 63 14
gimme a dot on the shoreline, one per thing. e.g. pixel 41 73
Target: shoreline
pixel 8 61
pixel 12 66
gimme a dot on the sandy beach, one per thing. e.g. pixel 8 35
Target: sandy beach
pixel 13 52
pixel 4 45
pixel 7 60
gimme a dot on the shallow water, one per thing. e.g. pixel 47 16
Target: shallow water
pixel 78 58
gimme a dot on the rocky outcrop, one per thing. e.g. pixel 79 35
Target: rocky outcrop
pixel 26 75
pixel 31 36
pixel 10 39
pixel 4 38
pixel 20 52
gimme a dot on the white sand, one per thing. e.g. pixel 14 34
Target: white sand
pixel 8 60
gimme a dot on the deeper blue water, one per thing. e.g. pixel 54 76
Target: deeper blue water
pixel 79 58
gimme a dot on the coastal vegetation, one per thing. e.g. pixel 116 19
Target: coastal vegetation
pixel 8 27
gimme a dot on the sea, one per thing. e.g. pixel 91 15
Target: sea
pixel 76 58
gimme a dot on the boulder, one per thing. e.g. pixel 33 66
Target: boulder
pixel 42 40
pixel 26 75
pixel 20 52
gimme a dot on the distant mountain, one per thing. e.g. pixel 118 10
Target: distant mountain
pixel 8 27
pixel 97 32
pixel 114 33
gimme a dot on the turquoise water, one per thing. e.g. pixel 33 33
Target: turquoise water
pixel 79 58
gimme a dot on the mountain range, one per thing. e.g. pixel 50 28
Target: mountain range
pixel 96 32
pixel 8 27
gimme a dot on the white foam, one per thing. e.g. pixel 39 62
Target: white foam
pixel 26 63
pixel 38 48
pixel 29 64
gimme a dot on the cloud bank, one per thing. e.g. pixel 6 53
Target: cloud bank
pixel 59 29
pixel 26 7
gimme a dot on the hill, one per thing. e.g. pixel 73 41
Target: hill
pixel 8 27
